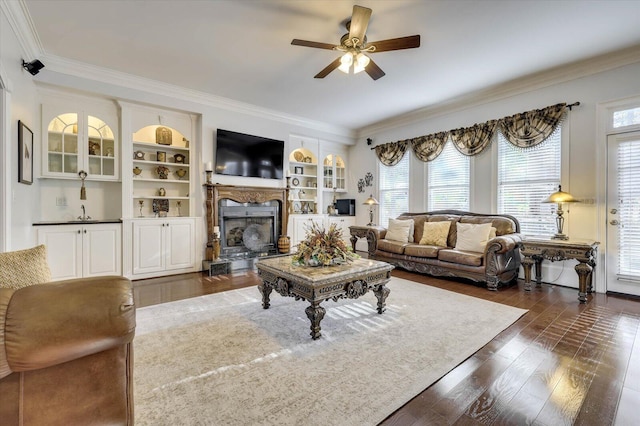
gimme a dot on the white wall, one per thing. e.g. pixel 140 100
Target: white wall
pixel 24 202
pixel 579 132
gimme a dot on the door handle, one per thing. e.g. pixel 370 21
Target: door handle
pixel 614 211
pixel 614 222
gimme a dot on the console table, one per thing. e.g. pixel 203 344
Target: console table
pixel 535 250
pixel 362 232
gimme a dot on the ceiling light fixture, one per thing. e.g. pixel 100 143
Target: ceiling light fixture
pixel 33 67
pixel 353 57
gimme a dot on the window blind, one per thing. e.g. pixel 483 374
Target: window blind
pixel 448 180
pixel 629 208
pixel 525 179
pixel 394 190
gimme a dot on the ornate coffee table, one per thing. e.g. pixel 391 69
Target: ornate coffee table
pixel 317 284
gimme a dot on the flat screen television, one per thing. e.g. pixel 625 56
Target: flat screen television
pixel 238 154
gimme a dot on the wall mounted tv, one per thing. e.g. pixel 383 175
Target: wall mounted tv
pixel 238 154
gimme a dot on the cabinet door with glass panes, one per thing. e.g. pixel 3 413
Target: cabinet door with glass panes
pixel 76 141
pixel 334 173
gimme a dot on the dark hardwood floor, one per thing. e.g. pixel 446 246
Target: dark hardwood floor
pixel 562 363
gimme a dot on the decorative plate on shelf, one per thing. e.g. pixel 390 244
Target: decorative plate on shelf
pixel 298 156
pixel 295 181
pixel 138 155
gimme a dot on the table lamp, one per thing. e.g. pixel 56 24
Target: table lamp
pixel 371 202
pixel 558 198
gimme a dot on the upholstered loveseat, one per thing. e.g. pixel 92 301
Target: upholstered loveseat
pixel 494 260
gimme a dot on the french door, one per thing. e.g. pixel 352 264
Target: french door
pixel 623 213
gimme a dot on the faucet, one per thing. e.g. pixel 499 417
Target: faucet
pixel 84 215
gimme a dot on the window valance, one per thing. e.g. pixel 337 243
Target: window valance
pixel 523 130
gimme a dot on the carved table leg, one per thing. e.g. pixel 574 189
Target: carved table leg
pixel 315 313
pixel 266 290
pixel 381 291
pixel 584 271
pixel 527 262
pixel 538 260
pixel 354 240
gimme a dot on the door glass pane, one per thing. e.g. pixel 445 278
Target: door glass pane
pixel 629 208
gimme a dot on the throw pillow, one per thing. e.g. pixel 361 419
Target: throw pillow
pixel 23 268
pixel 435 233
pixel 399 230
pixel 472 236
pixel 411 230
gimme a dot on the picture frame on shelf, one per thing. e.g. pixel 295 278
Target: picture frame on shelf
pixel 298 170
pixel 25 154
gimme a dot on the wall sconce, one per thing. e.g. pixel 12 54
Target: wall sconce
pixel 558 198
pixel 371 202
pixel 33 67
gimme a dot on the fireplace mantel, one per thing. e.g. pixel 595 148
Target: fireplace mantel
pixel 241 194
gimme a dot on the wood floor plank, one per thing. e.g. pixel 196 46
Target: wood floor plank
pixel 560 363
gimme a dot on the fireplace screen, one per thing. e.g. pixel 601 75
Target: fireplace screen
pixel 248 229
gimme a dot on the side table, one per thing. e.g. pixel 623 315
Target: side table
pixel 535 250
pixel 357 231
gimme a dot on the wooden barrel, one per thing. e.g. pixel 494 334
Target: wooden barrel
pixel 284 244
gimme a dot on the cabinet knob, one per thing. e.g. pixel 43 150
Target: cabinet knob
pixel 78 231
pixel 167 224
pixel 85 231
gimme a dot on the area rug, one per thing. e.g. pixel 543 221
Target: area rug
pixel 221 359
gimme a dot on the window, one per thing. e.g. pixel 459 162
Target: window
pixel 525 179
pixel 627 117
pixel 394 190
pixel 448 180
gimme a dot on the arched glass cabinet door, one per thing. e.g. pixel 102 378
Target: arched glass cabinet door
pixel 334 172
pixel 62 144
pixel 101 148
pixel 75 142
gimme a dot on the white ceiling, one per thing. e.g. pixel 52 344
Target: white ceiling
pixel 241 50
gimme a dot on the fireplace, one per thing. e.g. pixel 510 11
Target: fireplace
pixel 248 229
pixel 250 219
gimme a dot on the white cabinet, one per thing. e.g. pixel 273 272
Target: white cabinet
pixel 76 139
pixel 334 173
pixel 163 245
pixel 76 251
pixel 301 223
pixel 343 223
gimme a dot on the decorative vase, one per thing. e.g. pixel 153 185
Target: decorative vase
pixel 284 244
pixel 215 243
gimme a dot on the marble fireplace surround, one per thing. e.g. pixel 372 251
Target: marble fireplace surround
pixel 241 194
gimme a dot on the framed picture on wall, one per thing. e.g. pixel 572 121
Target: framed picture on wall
pixel 25 154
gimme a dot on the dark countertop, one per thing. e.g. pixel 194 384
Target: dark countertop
pixel 69 222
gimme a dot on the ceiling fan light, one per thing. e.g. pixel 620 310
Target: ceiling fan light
pixel 346 61
pixel 362 61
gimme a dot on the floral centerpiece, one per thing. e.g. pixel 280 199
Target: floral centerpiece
pixel 323 248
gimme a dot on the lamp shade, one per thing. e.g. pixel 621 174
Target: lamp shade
pixel 560 197
pixel 371 201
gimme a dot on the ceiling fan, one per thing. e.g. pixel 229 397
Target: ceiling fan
pixel 354 45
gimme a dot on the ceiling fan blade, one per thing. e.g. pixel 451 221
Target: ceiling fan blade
pixel 316 44
pixel 408 42
pixel 325 72
pixel 359 22
pixel 374 70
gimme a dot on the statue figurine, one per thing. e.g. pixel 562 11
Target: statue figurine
pixel 163 172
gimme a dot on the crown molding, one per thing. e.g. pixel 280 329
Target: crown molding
pixel 20 21
pixel 107 76
pixel 512 88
